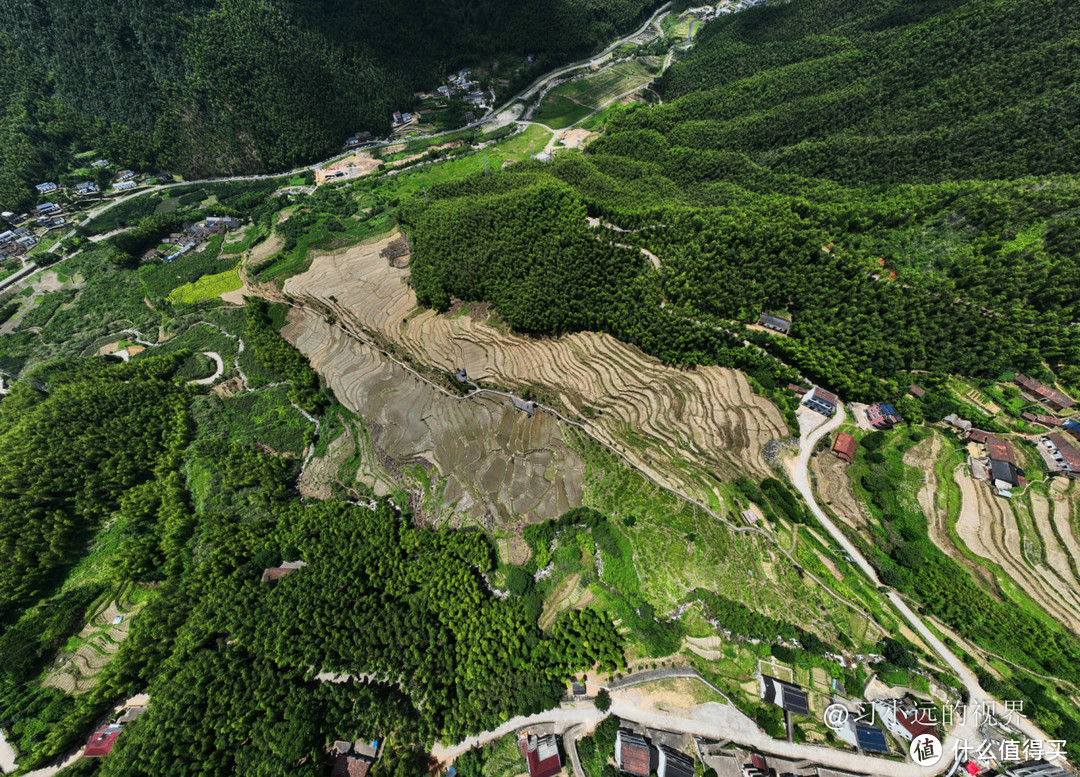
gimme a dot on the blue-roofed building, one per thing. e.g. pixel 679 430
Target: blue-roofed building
pixel 871 739
pixel 821 400
pixel 1072 427
pixel 45 188
pixel 883 416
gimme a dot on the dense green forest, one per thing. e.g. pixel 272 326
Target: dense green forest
pixel 206 87
pixel 194 519
pixel 965 261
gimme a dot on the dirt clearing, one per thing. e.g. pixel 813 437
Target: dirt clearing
pixel 575 138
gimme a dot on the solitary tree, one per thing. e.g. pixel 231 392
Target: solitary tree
pixel 603 700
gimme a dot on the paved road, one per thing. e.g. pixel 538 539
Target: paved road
pixel 967 731
pixel 220 368
pixel 582 713
pixel 712 721
pixel 570 738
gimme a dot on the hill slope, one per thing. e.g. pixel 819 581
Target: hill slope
pixel 207 87
pixel 811 164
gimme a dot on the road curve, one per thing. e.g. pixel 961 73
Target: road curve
pixel 967 731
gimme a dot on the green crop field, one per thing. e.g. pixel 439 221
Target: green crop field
pixel 207 287
pixel 568 103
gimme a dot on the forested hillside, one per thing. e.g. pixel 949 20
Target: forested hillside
pixel 205 87
pixel 122 483
pixel 885 91
pixel 774 182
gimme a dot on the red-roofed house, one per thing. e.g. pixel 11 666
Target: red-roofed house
pixel 999 450
pixel 1043 393
pixel 978 435
pixel 350 766
pixel 276 573
pixel 632 753
pixel 542 756
pixel 102 741
pixel 1061 455
pixel 915 724
pixel 844 447
pixel 883 416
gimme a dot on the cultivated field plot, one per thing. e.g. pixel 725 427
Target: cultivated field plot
pixel 207 287
pixel 492 462
pixel 678 547
pixel 682 427
pixel 834 489
pixel 1031 538
pixel 571 102
pixel 75 669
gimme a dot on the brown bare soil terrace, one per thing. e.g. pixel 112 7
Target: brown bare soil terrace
pixel 1022 537
pixel 496 462
pixel 707 419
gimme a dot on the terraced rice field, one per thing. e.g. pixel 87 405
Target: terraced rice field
pixel 485 460
pixel 834 489
pixel 681 427
pixel 1031 538
pixel 75 671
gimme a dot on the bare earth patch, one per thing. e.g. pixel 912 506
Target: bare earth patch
pixel 575 138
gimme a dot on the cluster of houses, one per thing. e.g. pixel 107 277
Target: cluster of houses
pixel 881 416
pixel 16 242
pixel 643 752
pixel 458 85
pixel 49 215
pixel 741 5
pixel 359 139
pixel 124 181
pixel 991 458
pixel 192 236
